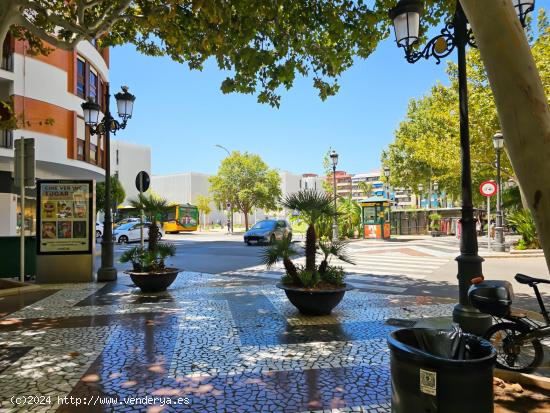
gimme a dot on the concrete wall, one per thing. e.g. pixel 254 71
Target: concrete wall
pixel 127 160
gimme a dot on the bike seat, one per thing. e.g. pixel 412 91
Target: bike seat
pixel 525 279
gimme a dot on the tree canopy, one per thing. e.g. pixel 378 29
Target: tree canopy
pixel 426 144
pixel 246 181
pixel 262 44
pixel 118 194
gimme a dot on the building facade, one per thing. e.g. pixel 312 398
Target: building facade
pixel 44 94
pixel 127 160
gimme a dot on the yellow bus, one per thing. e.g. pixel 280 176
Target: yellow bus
pixel 181 218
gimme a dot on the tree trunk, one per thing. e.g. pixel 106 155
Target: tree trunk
pixel 291 270
pixel 245 219
pixel 323 267
pixel 520 100
pixel 311 248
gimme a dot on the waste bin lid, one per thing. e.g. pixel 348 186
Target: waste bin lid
pixel 444 346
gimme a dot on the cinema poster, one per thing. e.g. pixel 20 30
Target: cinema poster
pixel 65 217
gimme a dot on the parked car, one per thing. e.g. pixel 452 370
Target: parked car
pixel 98 229
pixel 131 231
pixel 267 231
pixel 125 221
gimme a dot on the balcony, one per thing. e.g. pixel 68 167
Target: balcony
pixel 6 139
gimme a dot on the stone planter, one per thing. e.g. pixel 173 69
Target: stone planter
pixel 149 282
pixel 314 302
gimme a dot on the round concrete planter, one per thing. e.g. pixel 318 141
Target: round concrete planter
pixel 314 302
pixel 154 282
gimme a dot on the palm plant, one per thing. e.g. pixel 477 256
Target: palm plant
pixel 524 223
pixel 312 205
pixel 349 212
pixel 281 250
pixel 365 188
pixel 336 248
pixel 154 208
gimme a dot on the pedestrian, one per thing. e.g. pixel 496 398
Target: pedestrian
pixel 228 225
pixel 478 226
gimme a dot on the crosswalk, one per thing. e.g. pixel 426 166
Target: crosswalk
pixel 379 267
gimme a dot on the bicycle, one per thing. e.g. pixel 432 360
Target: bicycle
pixel 515 336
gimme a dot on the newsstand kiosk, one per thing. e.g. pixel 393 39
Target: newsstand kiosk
pixel 375 218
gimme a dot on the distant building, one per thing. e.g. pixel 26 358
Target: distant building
pixel 312 181
pixel 127 160
pixel 343 183
pixel 370 178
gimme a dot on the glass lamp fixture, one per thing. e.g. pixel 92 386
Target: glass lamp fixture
pixel 406 22
pixel 125 103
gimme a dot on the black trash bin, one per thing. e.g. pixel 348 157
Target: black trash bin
pixel 440 371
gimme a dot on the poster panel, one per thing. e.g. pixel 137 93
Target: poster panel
pixel 65 217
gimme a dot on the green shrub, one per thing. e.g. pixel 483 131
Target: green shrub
pixel 334 275
pixel 308 279
pixel 524 223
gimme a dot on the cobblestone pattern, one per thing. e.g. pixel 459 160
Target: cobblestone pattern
pixel 229 344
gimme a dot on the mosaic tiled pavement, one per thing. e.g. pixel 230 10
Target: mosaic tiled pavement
pixel 209 344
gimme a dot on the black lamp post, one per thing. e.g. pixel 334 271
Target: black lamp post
pixel 334 159
pixel 387 181
pixel 420 189
pixel 108 125
pixel 436 190
pixel 456 34
pixel 498 143
pixel 229 208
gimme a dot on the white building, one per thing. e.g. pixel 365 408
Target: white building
pixel 127 160
pixel 183 188
pixel 45 88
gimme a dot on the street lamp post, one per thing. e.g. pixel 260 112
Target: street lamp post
pixel 387 181
pixel 420 189
pixel 406 21
pixel 334 159
pixel 108 125
pixel 229 206
pixel 436 190
pixel 498 142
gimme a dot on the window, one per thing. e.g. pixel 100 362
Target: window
pixel 81 78
pixel 80 149
pixel 93 86
pixel 93 153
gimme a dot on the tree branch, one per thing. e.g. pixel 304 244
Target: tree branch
pixel 54 41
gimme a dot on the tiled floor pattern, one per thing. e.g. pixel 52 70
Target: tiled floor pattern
pixel 226 344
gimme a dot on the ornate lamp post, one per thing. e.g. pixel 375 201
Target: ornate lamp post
pixel 498 143
pixel 108 125
pixel 456 34
pixel 387 182
pixel 230 210
pixel 436 190
pixel 334 159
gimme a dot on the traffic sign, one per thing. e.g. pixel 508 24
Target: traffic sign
pixel 143 181
pixel 488 188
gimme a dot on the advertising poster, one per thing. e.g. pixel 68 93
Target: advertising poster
pixel 64 217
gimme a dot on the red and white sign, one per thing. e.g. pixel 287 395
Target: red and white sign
pixel 488 188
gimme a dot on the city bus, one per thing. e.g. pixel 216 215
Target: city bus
pixel 183 217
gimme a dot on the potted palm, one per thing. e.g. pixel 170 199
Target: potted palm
pixel 312 289
pixel 149 271
pixel 435 220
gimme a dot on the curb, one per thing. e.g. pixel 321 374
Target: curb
pixel 527 380
pixel 19 290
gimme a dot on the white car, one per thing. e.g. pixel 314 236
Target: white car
pixel 98 229
pixel 131 231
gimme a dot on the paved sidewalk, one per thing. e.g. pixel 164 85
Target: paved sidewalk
pixel 209 344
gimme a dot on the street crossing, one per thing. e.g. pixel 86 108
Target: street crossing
pixel 378 266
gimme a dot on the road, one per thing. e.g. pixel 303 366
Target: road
pixel 423 266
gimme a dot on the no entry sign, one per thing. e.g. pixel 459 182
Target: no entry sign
pixel 488 188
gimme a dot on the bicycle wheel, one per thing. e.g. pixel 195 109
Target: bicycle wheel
pixel 511 355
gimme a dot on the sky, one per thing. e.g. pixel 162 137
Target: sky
pixel 182 114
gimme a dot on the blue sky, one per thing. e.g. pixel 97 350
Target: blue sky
pixel 182 114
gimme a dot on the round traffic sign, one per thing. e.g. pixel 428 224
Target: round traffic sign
pixel 488 188
pixel 143 181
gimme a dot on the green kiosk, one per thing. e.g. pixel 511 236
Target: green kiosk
pixel 375 217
